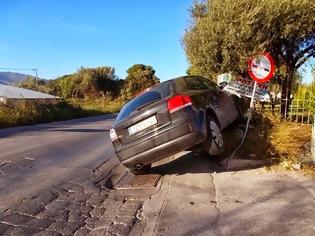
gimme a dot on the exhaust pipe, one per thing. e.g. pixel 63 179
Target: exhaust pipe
pixel 139 166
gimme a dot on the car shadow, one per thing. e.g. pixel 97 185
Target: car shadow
pixel 203 163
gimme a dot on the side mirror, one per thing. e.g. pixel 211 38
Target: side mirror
pixel 223 84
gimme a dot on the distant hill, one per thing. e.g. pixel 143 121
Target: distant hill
pixel 11 78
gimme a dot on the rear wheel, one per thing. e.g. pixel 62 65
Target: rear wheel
pixel 214 145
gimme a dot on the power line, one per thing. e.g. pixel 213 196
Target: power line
pixel 33 69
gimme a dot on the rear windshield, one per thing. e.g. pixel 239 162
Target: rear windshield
pixel 153 95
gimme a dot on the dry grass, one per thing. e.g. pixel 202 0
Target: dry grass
pixel 290 140
pixel 284 145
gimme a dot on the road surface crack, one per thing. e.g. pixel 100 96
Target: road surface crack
pixel 215 203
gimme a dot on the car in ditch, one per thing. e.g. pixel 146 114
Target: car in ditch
pixel 171 117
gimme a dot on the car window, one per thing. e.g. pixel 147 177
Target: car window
pixel 193 83
pixel 154 94
pixel 208 83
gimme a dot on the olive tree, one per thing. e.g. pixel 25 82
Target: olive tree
pixel 139 77
pixel 224 33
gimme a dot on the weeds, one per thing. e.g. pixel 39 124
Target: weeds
pixel 10 117
pixel 282 144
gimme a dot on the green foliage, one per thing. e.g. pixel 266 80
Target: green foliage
pixel 88 83
pixel 139 78
pixel 89 91
pixel 66 85
pixel 305 95
pixel 99 82
pixel 224 35
pixel 34 84
pixel 100 105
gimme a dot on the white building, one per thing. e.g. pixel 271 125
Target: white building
pixel 11 95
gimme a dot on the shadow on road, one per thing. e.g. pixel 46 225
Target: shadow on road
pixel 201 163
pixel 194 162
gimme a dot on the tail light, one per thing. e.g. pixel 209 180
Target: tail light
pixel 113 135
pixel 178 102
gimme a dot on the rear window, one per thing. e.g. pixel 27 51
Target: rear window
pixel 194 83
pixel 153 95
pixel 208 83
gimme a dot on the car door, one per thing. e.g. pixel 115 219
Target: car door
pixel 222 103
pixel 217 101
pixel 228 108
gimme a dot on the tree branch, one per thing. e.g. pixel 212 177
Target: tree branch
pixel 302 61
pixel 305 50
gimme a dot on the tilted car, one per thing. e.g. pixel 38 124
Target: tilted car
pixel 171 117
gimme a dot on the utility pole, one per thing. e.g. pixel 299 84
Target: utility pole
pixel 36 78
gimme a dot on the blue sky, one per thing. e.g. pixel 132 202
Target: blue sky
pixel 59 36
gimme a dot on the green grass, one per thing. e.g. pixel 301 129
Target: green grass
pixel 11 117
pixel 101 105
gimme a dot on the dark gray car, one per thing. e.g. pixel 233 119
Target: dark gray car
pixel 171 117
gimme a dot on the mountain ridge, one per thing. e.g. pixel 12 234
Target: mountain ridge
pixel 11 78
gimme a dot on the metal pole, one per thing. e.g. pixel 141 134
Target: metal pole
pixel 291 112
pixel 251 108
pixel 313 141
pixel 36 78
pixel 253 96
pixel 286 97
pixel 281 96
pixel 313 129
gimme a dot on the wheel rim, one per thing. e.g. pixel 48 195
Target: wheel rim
pixel 216 133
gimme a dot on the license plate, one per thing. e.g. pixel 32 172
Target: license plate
pixel 142 125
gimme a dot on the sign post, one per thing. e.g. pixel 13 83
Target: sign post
pixel 260 69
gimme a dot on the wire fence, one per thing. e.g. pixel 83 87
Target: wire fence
pixel 299 110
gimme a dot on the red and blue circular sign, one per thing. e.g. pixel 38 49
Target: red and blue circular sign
pixel 261 67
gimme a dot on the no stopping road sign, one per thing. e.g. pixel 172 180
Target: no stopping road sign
pixel 261 67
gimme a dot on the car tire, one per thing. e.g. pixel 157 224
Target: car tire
pixel 214 145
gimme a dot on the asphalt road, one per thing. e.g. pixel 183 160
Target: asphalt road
pixel 36 158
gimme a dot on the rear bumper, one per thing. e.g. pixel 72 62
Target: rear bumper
pixel 168 143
